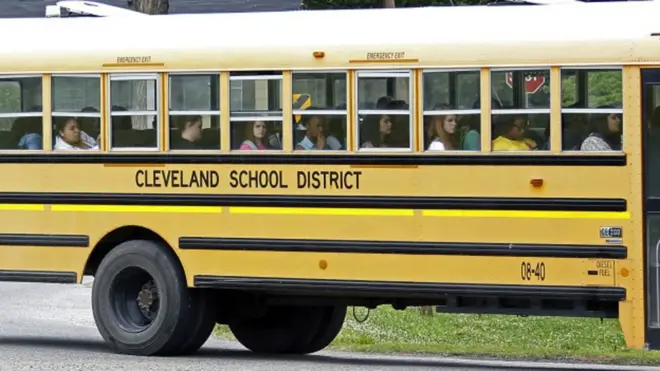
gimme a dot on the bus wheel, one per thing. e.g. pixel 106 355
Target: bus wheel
pixel 274 332
pixel 140 299
pixel 201 321
pixel 329 322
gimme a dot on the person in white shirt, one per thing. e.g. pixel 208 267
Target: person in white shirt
pixel 442 132
pixel 606 133
pixel 315 137
pixel 69 137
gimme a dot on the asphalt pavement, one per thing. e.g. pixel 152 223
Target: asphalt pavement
pixel 50 327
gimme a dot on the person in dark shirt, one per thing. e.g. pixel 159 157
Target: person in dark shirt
pixel 189 133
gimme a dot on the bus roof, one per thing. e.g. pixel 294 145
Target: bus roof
pixel 567 33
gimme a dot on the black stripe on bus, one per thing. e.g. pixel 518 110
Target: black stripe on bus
pixel 405 248
pixel 349 288
pixel 50 240
pixel 317 159
pixel 376 202
pixel 38 276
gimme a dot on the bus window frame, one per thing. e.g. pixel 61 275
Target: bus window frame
pixel 246 76
pixel 525 111
pixel 127 76
pixel 384 73
pixel 53 113
pixel 618 111
pixel 166 119
pixel 11 78
pixel 16 79
pixel 324 112
pixel 474 111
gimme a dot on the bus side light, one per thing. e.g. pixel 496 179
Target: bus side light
pixel 536 183
pixel 318 54
pixel 323 264
pixel 624 272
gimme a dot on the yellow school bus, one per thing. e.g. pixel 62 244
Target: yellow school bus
pixel 266 171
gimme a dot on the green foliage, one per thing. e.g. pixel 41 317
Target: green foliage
pixel 10 97
pixel 361 4
pixel 10 101
pixel 604 88
pixel 533 338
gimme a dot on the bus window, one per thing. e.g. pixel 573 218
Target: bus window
pixel 194 111
pixel 134 111
pixel 256 111
pixel 21 117
pixel 384 114
pixel 76 110
pixel 451 120
pixel 520 111
pixel 320 111
pixel 591 109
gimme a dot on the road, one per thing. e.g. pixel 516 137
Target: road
pixel 50 327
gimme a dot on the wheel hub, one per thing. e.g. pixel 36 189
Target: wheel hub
pixel 136 299
pixel 147 299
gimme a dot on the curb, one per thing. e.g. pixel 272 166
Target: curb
pixel 431 361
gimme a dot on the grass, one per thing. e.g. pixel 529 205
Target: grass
pixel 491 336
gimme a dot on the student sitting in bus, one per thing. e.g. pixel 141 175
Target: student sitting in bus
pixel 469 127
pixel 28 132
pixel 512 137
pixel 377 131
pixel 384 102
pixel 90 125
pixel 468 132
pixel 605 133
pixel 70 137
pixel 315 137
pixel 190 132
pixel 441 131
pixel 255 134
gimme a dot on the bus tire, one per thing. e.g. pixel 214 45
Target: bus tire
pixel 201 321
pixel 272 333
pixel 329 322
pixel 135 279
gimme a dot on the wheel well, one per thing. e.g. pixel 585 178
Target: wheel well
pixel 116 237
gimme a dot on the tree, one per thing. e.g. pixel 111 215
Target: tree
pixel 150 6
pixel 389 4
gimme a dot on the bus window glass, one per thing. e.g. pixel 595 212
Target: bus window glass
pixel 194 112
pixel 319 111
pixel 256 111
pixel 21 117
pixel 452 119
pixel 76 110
pixel 591 109
pixel 520 110
pixel 133 109
pixel 384 110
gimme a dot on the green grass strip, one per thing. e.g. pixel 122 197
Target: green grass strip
pixel 493 336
